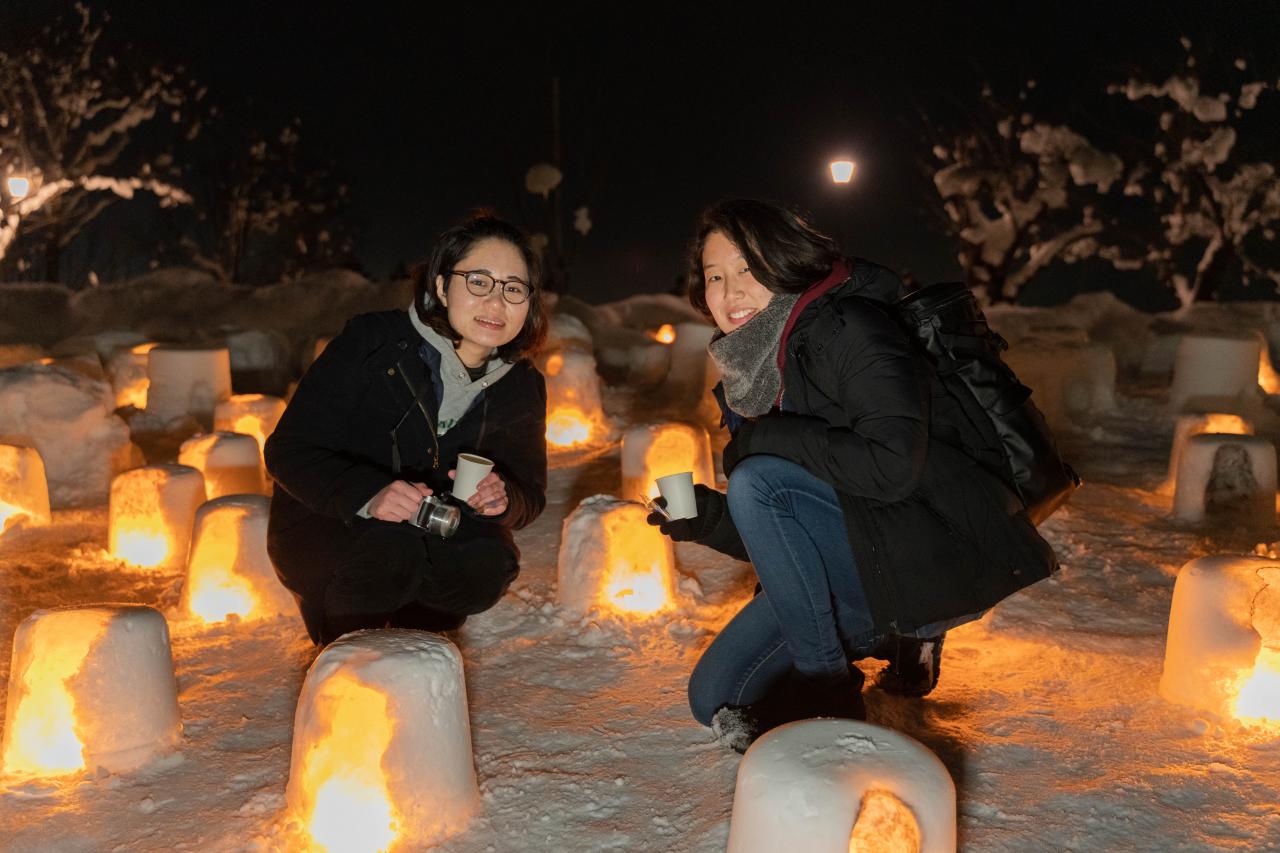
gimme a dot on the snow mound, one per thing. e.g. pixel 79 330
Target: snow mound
pixel 35 313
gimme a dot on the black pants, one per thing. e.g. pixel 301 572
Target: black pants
pixel 378 574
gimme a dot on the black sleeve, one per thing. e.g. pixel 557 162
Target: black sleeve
pixel 307 455
pixel 883 388
pixel 519 445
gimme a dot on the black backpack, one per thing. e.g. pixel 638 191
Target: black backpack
pixel 949 324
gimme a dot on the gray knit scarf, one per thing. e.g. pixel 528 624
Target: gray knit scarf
pixel 748 358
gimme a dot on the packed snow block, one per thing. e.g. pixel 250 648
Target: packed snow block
pixel 610 558
pixel 24 490
pixel 90 688
pixel 34 313
pixel 1068 380
pixel 127 369
pixel 1223 649
pixel 169 303
pixel 1227 477
pixel 1214 422
pixel 187 380
pixel 568 332
pixel 575 416
pixel 103 344
pixel 656 450
pixel 382 744
pixel 229 573
pixel 1214 371
pixel 249 414
pixel 231 463
pixel 151 514
pixel 259 360
pixel 69 419
pixel 831 786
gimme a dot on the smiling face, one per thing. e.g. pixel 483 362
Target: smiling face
pixel 733 294
pixel 484 322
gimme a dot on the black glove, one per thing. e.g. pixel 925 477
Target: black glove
pixel 711 507
pixel 738 448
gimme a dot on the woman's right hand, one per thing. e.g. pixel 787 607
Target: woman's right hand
pixel 398 501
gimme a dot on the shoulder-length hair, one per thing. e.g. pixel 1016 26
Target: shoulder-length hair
pixel 784 252
pixel 450 248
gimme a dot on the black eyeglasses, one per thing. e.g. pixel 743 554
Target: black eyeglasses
pixel 481 284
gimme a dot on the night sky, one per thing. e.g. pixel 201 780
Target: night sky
pixel 666 107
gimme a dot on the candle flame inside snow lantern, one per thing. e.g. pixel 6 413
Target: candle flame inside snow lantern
pixel 24 489
pixel 382 744
pixel 249 414
pixel 150 514
pixel 650 452
pixel 90 687
pixel 574 415
pixel 665 334
pixel 612 559
pixel 1223 648
pixel 230 573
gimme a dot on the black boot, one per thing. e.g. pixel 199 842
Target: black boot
pixel 914 664
pixel 794 697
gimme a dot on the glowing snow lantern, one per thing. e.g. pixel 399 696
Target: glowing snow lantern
pixel 574 414
pixel 382 744
pixel 863 788
pixel 1213 371
pixel 1268 379
pixel 1227 475
pixel 187 380
pixel 650 452
pixel 24 490
pixel 19 188
pixel 249 414
pixel 231 462
pixel 612 559
pixel 1223 650
pixel 1189 425
pixel 90 687
pixel 842 171
pixel 229 573
pixel 665 334
pixel 128 370
pixel 151 512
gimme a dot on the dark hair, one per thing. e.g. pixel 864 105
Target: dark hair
pixel 784 252
pixel 450 248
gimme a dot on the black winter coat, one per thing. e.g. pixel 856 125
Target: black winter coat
pixel 934 534
pixel 332 450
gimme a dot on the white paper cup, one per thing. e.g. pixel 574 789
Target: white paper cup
pixel 678 490
pixel 470 470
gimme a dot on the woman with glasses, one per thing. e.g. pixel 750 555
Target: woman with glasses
pixel 376 426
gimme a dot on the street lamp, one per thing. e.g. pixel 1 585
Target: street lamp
pixel 19 188
pixel 842 171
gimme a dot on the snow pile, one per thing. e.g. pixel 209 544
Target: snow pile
pixel 34 313
pixel 649 311
pixel 565 331
pixel 260 359
pixel 168 304
pixel 68 418
pixel 11 354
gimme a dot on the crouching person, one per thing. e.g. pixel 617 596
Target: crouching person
pixel 376 426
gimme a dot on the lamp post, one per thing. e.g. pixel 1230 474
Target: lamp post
pixel 842 171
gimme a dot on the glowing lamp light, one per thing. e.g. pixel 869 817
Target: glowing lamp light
pixel 842 171
pixel 90 687
pixel 150 514
pixel 1267 376
pixel 1186 426
pixel 230 573
pixel 568 427
pixel 249 414
pixel 24 489
pixel 611 559
pixel 664 334
pixel 656 450
pixel 865 788
pixel 382 745
pixel 19 188
pixel 575 418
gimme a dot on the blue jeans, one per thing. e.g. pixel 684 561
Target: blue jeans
pixel 812 614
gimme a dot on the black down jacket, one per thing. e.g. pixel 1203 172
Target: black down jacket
pixel 934 534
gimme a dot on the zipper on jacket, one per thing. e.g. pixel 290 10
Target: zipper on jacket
pixel 431 424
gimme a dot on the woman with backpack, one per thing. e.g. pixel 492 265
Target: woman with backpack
pixel 853 482
pixel 376 426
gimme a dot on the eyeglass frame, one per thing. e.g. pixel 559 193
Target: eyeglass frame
pixel 496 281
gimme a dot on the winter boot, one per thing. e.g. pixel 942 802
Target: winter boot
pixel 914 664
pixel 794 697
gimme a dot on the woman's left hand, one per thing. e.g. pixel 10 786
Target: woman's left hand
pixel 490 497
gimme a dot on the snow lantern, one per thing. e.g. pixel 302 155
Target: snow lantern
pixel 664 334
pixel 1070 379
pixel 24 491
pixel 249 414
pixel 692 371
pixel 90 687
pixel 841 785
pixel 1189 425
pixel 1226 475
pixel 382 744
pixel 612 559
pixel 229 573
pixel 1214 370
pixel 575 417
pixel 1223 650
pixel 151 512
pixel 1268 379
pixel 127 368
pixel 187 380
pixel 656 450
pixel 230 461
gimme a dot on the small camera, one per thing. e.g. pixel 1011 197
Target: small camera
pixel 437 516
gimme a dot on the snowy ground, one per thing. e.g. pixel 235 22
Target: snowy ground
pixel 1047 714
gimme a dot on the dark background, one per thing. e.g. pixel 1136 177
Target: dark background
pixel 434 109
